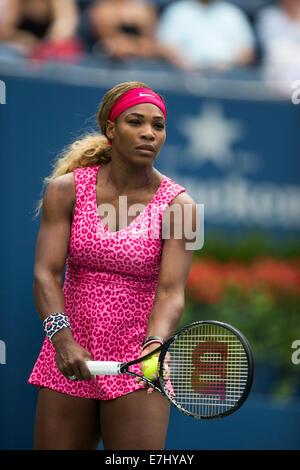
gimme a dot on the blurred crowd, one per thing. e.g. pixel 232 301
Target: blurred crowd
pixel 190 35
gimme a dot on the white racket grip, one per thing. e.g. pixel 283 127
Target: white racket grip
pixel 104 367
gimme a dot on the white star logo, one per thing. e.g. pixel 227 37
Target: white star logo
pixel 211 135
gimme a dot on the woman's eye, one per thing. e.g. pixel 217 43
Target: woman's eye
pixel 137 122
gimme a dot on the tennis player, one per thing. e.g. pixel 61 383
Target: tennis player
pixel 103 214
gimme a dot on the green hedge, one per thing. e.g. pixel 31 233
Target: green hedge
pixel 223 247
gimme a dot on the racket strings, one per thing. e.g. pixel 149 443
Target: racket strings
pixel 208 370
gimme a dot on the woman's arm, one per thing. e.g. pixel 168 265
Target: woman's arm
pixel 50 257
pixel 175 267
pixel 52 246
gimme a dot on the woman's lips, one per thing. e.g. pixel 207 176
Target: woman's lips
pixel 146 149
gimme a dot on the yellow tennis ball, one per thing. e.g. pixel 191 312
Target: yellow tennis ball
pixel 150 367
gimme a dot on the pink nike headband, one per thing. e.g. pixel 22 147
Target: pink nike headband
pixel 132 98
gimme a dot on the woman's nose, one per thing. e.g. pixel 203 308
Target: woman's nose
pixel 148 133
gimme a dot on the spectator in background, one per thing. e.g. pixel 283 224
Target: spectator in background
pixel 211 34
pixel 278 30
pixel 41 29
pixel 126 30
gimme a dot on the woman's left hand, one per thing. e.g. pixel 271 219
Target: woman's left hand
pixel 145 351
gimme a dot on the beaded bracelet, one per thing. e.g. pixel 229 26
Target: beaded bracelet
pixel 54 323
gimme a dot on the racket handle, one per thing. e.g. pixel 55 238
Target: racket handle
pixel 104 367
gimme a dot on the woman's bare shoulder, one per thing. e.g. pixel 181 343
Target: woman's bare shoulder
pixel 64 184
pixel 182 199
pixel 61 191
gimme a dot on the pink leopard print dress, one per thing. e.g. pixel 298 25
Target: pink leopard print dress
pixel 109 288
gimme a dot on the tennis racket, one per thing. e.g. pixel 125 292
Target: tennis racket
pixel 209 369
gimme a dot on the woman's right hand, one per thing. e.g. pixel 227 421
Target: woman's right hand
pixel 70 356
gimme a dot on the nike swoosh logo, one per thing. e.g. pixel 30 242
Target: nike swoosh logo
pixel 145 94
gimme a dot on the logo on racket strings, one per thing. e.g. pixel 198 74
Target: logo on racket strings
pixel 209 374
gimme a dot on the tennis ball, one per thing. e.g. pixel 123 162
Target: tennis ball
pixel 150 367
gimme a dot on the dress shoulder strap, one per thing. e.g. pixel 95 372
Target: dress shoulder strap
pixel 85 181
pixel 170 190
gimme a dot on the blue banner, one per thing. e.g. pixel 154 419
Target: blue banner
pixel 238 158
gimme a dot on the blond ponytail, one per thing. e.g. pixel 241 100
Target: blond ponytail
pixel 91 149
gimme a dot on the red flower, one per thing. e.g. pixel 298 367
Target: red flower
pixel 209 279
pixel 205 283
pixel 277 276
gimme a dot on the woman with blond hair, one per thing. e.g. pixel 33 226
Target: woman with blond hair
pixel 123 293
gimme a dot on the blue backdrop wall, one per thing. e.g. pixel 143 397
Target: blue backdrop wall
pixel 240 158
